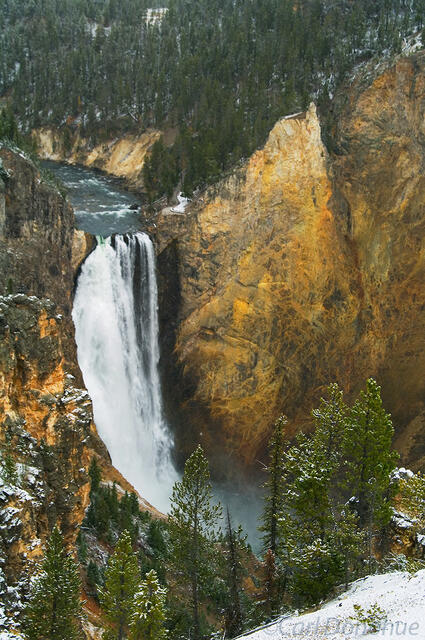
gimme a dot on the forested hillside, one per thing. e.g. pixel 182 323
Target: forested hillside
pixel 221 71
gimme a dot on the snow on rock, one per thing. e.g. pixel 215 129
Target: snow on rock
pixel 421 539
pixel 403 521
pixel 400 595
pixel 401 474
pixel 181 207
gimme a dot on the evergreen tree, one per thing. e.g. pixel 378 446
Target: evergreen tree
pixel 82 547
pixel 367 446
pixel 122 579
pixel 233 613
pixel 95 476
pixel 53 611
pixel 94 578
pixel 9 472
pixel 192 521
pixel 147 620
pixel 274 486
pixel 412 499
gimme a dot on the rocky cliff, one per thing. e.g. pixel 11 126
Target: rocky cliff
pixel 305 267
pixel 122 157
pixel 47 434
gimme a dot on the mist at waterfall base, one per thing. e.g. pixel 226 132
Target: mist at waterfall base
pixel 116 329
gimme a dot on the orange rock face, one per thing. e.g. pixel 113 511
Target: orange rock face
pixel 304 268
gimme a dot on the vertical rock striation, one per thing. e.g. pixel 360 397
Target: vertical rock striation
pixel 305 267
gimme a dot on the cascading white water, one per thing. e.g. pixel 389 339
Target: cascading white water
pixel 116 329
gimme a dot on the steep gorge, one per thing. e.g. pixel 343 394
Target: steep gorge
pixel 122 156
pixel 45 412
pixel 304 267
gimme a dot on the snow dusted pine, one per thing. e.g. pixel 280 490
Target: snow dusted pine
pixel 148 619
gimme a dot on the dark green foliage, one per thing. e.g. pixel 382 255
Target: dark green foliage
pixel 94 578
pixel 233 542
pixel 82 547
pixel 333 497
pixel 160 172
pixel 122 580
pixel 155 537
pixel 54 607
pixel 8 468
pixel 220 72
pixel 108 515
pixel 192 522
pixel 274 486
pixel 367 445
pixel 8 126
pixel 95 475
pixel 148 617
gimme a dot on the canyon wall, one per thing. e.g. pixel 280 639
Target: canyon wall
pixel 46 422
pixel 122 157
pixel 302 268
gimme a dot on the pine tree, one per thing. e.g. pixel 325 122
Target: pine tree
pixel 412 499
pixel 147 620
pixel 122 579
pixel 82 547
pixel 348 540
pixel 367 447
pixel 233 614
pixel 271 585
pixel 53 611
pixel 192 521
pixel 95 476
pixel 9 472
pixel 274 486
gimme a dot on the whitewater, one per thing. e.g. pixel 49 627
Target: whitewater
pixel 115 314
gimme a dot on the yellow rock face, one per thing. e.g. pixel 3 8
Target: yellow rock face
pixel 302 269
pixel 263 276
pixel 122 157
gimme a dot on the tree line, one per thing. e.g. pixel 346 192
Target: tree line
pixel 328 503
pixel 218 72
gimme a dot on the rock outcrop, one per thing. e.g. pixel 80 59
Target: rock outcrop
pixel 47 433
pixel 306 267
pixel 122 157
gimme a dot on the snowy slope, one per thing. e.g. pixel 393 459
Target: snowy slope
pixel 400 595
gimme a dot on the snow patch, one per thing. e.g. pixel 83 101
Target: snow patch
pixel 400 595
pixel 181 207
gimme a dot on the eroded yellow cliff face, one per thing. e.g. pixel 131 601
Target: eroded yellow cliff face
pixel 381 177
pixel 304 268
pixel 264 284
pixel 121 157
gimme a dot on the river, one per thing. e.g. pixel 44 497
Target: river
pixel 101 205
pixel 115 313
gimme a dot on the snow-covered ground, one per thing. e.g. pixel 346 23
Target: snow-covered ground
pixel 399 595
pixel 183 202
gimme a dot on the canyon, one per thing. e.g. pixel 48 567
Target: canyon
pixel 302 267
pixel 305 266
pixel 45 412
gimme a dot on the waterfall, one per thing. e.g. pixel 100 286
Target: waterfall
pixel 116 328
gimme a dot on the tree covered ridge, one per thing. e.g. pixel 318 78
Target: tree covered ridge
pixel 221 71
